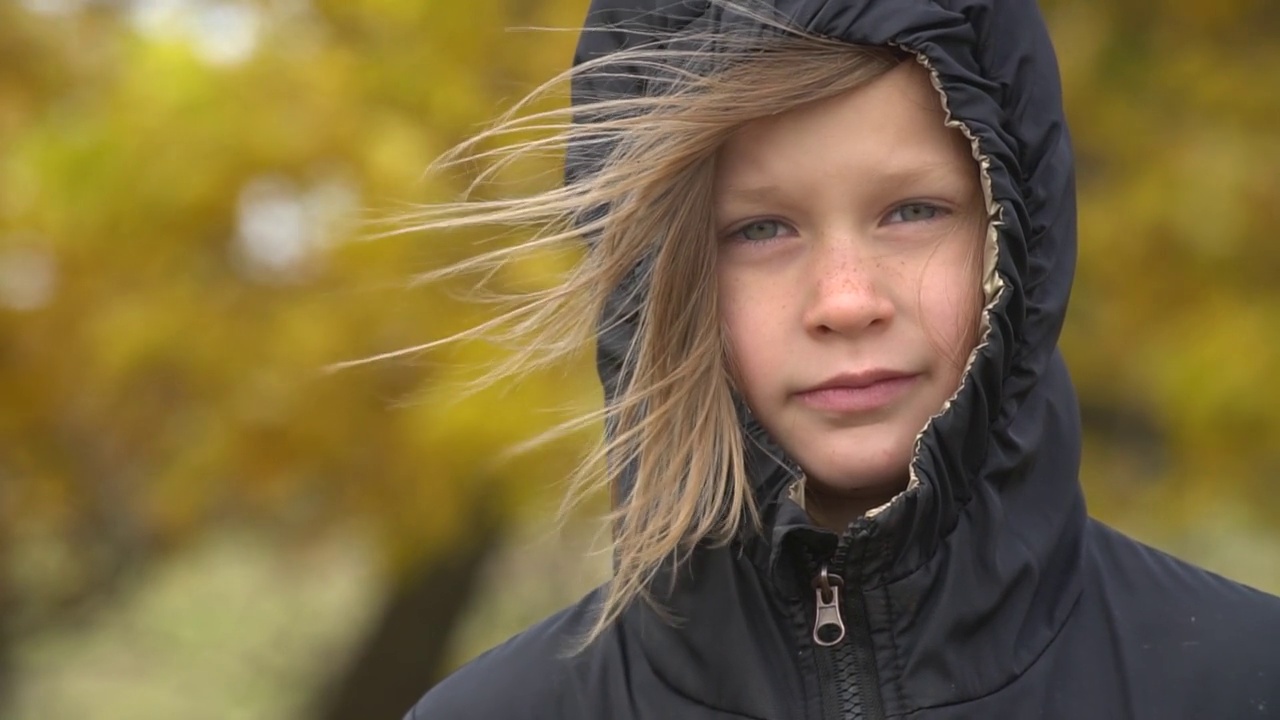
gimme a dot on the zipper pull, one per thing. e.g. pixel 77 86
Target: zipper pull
pixel 828 628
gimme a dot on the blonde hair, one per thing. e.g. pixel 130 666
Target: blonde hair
pixel 644 209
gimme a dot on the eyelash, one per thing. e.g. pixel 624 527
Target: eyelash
pixel 938 210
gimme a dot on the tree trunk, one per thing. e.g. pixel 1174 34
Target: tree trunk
pixel 404 654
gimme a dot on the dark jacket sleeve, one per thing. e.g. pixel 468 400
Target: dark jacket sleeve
pixel 529 677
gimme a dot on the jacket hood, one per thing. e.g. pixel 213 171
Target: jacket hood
pixel 982 548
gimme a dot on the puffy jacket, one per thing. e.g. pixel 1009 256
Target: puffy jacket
pixel 985 591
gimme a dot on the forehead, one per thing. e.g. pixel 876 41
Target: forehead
pixel 895 124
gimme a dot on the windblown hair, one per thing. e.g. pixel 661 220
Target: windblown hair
pixel 642 217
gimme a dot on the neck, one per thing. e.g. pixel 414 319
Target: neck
pixel 835 509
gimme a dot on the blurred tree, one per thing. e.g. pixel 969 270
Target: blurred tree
pixel 183 190
pixel 1172 335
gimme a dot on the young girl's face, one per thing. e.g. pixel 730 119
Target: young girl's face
pixel 850 232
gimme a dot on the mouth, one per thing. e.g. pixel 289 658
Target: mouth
pixel 862 392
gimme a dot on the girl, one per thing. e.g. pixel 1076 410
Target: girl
pixel 830 245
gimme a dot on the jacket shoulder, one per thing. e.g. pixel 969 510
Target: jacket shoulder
pixel 528 677
pixel 1175 585
pixel 1211 638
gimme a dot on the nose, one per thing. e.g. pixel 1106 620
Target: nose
pixel 848 290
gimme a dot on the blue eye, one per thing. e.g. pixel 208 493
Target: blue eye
pixel 759 230
pixel 915 212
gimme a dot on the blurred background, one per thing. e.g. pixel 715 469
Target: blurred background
pixel 197 520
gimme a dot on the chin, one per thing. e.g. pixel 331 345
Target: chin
pixel 856 475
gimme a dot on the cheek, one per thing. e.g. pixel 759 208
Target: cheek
pixel 748 318
pixel 735 319
pixel 951 302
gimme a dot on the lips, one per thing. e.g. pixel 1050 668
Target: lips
pixel 859 392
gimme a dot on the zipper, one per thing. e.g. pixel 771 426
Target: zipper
pixel 847 674
pixel 828 627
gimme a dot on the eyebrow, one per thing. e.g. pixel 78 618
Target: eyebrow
pixel 904 174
